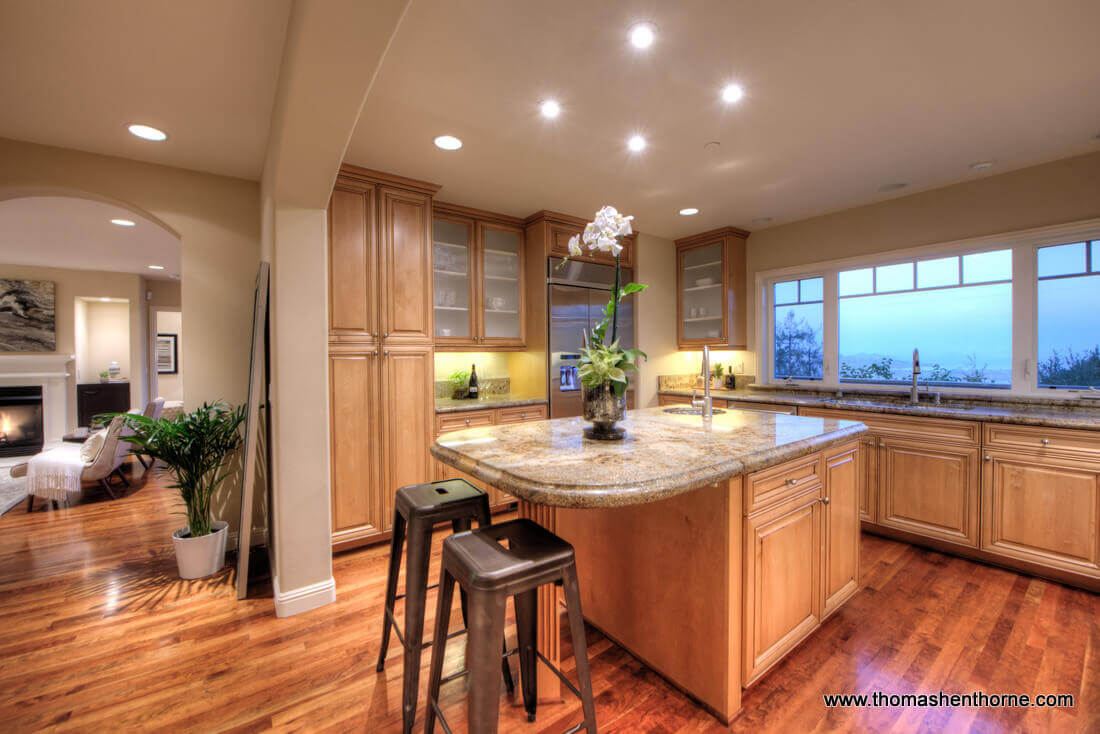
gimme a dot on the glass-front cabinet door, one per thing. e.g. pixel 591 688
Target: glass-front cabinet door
pixel 702 294
pixel 455 281
pixel 501 267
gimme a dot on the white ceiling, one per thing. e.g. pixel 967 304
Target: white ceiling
pixel 75 73
pixel 66 232
pixel 841 98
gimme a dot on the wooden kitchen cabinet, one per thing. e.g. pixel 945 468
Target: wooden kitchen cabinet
pixel 1042 509
pixel 555 229
pixel 479 268
pixel 710 290
pixel 381 365
pixel 869 478
pixel 841 499
pixel 930 489
pixel 782 580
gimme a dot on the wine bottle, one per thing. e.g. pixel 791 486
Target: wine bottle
pixel 473 382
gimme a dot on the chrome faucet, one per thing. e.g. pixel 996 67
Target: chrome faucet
pixel 706 404
pixel 914 395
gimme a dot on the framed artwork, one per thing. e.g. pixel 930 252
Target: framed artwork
pixel 167 354
pixel 27 319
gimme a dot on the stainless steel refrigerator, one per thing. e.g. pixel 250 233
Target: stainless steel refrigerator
pixel 577 294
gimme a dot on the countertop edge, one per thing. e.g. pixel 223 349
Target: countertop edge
pixel 491 404
pixel 622 495
pixel 976 414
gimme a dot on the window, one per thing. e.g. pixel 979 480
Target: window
pixel 957 311
pixel 1068 315
pixel 799 318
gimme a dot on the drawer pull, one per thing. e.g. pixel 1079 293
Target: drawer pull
pixel 989 458
pixel 1045 441
pixel 522 415
pixel 870 443
pixel 824 500
pixel 467 421
pixel 791 481
pixel 881 444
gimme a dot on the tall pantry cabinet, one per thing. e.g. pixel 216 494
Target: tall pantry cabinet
pixel 381 360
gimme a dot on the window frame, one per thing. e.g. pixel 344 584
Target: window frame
pixel 1024 244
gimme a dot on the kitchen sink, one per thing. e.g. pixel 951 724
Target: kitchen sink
pixel 691 411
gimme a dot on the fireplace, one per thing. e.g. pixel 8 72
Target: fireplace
pixel 21 429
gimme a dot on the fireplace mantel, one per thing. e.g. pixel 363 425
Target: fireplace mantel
pixel 41 366
pixel 51 372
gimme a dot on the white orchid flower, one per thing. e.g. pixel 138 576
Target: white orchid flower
pixel 575 245
pixel 606 242
pixel 616 248
pixel 591 232
pixel 624 227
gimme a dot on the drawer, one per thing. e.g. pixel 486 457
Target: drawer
pixel 521 414
pixel 446 422
pixel 663 400
pixel 904 426
pixel 1046 441
pixel 764 488
pixel 761 407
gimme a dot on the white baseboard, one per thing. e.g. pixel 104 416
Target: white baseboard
pixel 303 599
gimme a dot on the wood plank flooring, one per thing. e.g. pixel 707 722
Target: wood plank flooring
pixel 97 633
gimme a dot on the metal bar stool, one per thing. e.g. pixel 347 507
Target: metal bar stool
pixel 490 564
pixel 417 508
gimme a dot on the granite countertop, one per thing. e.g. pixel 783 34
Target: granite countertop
pixel 551 463
pixel 1021 411
pixel 505 400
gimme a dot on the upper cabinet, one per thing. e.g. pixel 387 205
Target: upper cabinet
pixel 478 266
pixel 710 290
pixel 380 255
pixel 558 228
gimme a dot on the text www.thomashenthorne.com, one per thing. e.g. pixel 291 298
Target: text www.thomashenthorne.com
pixel 976 699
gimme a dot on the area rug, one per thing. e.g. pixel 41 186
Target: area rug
pixel 12 491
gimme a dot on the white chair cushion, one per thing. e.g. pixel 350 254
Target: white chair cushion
pixel 91 447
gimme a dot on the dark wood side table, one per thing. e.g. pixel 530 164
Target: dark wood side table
pixel 95 398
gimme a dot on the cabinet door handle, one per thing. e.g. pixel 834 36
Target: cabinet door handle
pixel 386 335
pixel 824 500
pixel 870 443
pixel 385 352
pixel 989 458
pixel 467 421
pixel 881 445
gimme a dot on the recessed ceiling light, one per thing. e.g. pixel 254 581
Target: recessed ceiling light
pixel 689 211
pixel 732 93
pixel 892 186
pixel 981 165
pixel 762 220
pixel 156 267
pixel 147 133
pixel 642 35
pixel 550 109
pixel 123 222
pixel 636 143
pixel 448 142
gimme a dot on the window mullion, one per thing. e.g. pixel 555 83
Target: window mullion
pixel 1025 345
pixel 830 329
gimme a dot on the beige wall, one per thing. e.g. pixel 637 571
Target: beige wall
pixel 72 285
pixel 163 292
pixel 169 386
pixel 107 333
pixel 1052 193
pixel 218 221
pixel 655 313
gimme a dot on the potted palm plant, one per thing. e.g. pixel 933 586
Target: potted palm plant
pixel 194 446
pixel 604 364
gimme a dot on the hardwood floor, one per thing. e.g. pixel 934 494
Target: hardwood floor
pixel 97 632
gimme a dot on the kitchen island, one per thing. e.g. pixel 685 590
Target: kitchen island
pixel 709 550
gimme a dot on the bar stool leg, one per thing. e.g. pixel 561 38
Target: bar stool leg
pixel 418 552
pixel 461 525
pixel 580 646
pixel 396 541
pixel 526 604
pixel 483 661
pixel 439 645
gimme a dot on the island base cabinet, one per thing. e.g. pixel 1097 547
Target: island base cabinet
pixel 1042 510
pixel 841 500
pixel 930 489
pixel 782 580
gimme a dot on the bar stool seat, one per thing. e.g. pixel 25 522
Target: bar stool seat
pixel 490 564
pixel 417 509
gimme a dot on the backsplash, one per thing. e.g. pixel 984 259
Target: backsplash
pixel 687 382
pixel 486 386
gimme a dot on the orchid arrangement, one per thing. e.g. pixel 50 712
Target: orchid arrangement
pixel 607 362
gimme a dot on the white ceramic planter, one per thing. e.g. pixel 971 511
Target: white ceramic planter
pixel 198 557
